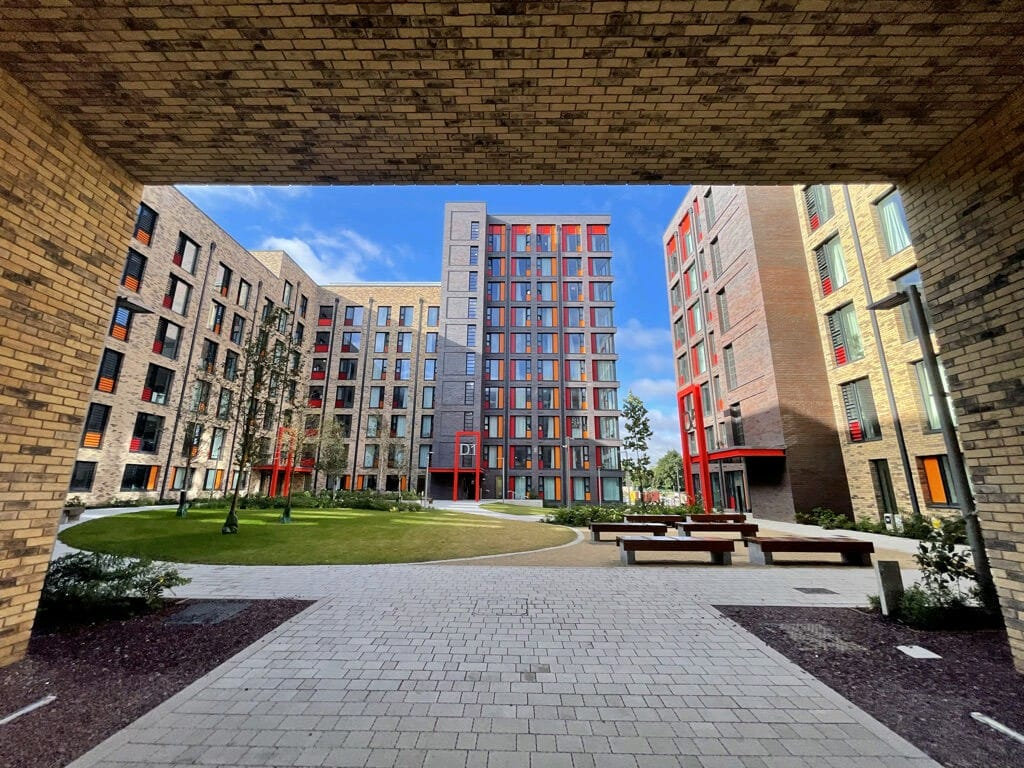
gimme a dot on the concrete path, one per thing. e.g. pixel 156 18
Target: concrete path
pixel 428 666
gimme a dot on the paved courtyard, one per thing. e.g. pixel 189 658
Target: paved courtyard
pixel 447 666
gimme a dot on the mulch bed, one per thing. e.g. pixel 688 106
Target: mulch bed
pixel 926 701
pixel 108 674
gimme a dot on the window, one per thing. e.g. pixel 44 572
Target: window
pixel 495 237
pixel 217 442
pixel 493 370
pixel 519 370
pixel 350 341
pixel 224 403
pixel 95 425
pixel 212 479
pixel 491 426
pixel 520 291
pixel 379 369
pixel 831 266
pixel 519 397
pixel 353 315
pixel 716 259
pixel 604 370
pixel 426 425
pixel 82 476
pixel 682 370
pixel 695 317
pixel 572 266
pixel 400 397
pixel 492 397
pixel 495 291
pixel 303 305
pixel 881 479
pixel 145 224
pixel 847 345
pixel 901 283
pixel 405 313
pixel 495 266
pixel 520 317
pixel 474 255
pixel 546 317
pixel 139 477
pixel 608 427
pixel 433 315
pixel 134 268
pixel 110 370
pixel 347 368
pixel 547 343
pixel 471 307
pixel 208 360
pixel 597 237
pixel 168 337
pixel 893 222
pixel 177 296
pixel 299 332
pixel 937 477
pixel 371 456
pixel 690 281
pixel 474 230
pixel 200 396
pixel 179 479
pixel 121 324
pixel 398 426
pixel 158 384
pixel 215 319
pixel 243 294
pixel 403 369
pixel 428 397
pixel 146 435
pixel 818 202
pixel 547 398
pixel 709 210
pixel 521 237
pixel 344 397
pixel 928 402
pixel 729 360
pixel 723 310
pixel 237 329
pixel 573 291
pixel 430 369
pixel 547 370
pixel 470 335
pixel 574 316
pixel 520 426
pixel 286 293
pixel 576 427
pixel 470 363
pixel 469 393
pixel 601 291
pixel 575 398
pixel 575 343
pixel 222 279
pixel 861 416
pixel 380 341
pixel 571 240
pixel 230 365
pixel 545 291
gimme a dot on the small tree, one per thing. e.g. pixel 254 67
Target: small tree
pixel 635 441
pixel 333 455
pixel 668 470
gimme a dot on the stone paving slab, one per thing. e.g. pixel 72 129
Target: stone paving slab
pixel 427 666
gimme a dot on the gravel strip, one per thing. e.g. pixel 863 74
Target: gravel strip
pixel 107 675
pixel 926 701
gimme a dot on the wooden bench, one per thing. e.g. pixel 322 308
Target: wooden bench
pixel 729 518
pixel 743 529
pixel 854 551
pixel 719 549
pixel 666 519
pixel 655 529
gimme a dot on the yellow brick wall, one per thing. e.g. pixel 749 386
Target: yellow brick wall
pixel 65 216
pixel 965 207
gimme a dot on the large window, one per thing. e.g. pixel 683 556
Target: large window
pixel 831 266
pixel 597 236
pixel 222 279
pixel 893 222
pixel 729 361
pixel 602 317
pixel 818 202
pixel 110 370
pixel 82 476
pixel 937 475
pixel 146 435
pixel 901 283
pixel 930 406
pixel 861 416
pixel 139 477
pixel 177 296
pixel 604 370
pixel 95 425
pixel 145 224
pixel 847 344
pixel 134 268
pixel 158 384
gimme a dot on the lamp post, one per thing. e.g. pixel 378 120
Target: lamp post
pixel 426 483
pixel 919 321
pixel 568 474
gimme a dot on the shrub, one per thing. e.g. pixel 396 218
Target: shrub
pixel 830 520
pixel 88 584
pixel 579 517
pixel 325 500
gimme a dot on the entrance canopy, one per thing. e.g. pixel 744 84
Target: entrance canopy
pixel 229 91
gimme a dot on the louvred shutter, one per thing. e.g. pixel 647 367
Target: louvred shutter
pixel 823 271
pixel 836 332
pixel 812 208
pixel 853 415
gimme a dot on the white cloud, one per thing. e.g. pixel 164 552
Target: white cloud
pixel 337 256
pixel 653 389
pixel 665 425
pixel 239 194
pixel 645 348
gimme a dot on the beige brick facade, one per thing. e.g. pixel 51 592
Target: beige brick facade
pixel 65 213
pixel 852 225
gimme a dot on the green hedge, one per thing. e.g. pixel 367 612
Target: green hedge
pixel 914 526
pixel 325 500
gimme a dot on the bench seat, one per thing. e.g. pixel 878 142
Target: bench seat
pixel 743 529
pixel 723 518
pixel 666 519
pixel 655 529
pixel 719 549
pixel 853 551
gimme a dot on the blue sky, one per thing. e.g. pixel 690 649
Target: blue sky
pixel 344 234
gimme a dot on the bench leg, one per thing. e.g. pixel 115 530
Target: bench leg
pixel 856 558
pixel 757 555
pixel 721 558
pixel 595 536
pixel 627 556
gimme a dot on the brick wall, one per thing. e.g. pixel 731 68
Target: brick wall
pixel 966 212
pixel 64 221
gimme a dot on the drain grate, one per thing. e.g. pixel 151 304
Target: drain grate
pixel 208 612
pixel 515 606
pixel 815 591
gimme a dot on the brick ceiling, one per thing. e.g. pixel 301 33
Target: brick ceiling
pixel 532 92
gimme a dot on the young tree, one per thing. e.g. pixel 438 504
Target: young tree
pixel 668 471
pixel 333 455
pixel 637 435
pixel 270 360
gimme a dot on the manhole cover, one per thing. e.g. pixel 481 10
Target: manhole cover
pixel 515 606
pixel 815 591
pixel 817 637
pixel 208 612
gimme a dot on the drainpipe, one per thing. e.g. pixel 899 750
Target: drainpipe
pixel 365 330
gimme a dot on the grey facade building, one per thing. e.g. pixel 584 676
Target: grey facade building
pixel 528 390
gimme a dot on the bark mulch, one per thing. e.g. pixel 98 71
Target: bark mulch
pixel 926 701
pixel 106 675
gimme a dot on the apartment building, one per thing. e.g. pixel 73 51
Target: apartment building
pixel 858 251
pixel 528 400
pixel 753 395
pixel 508 364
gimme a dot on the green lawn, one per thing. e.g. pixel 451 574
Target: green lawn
pixel 512 509
pixel 314 537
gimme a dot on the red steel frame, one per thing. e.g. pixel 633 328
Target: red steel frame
pixel 702 459
pixel 456 470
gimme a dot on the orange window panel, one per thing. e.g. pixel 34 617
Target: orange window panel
pixel 92 439
pixel 142 236
pixel 151 481
pixel 105 384
pixel 131 283
pixel 933 476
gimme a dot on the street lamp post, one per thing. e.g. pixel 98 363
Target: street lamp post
pixel 961 486
pixel 568 474
pixel 426 483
